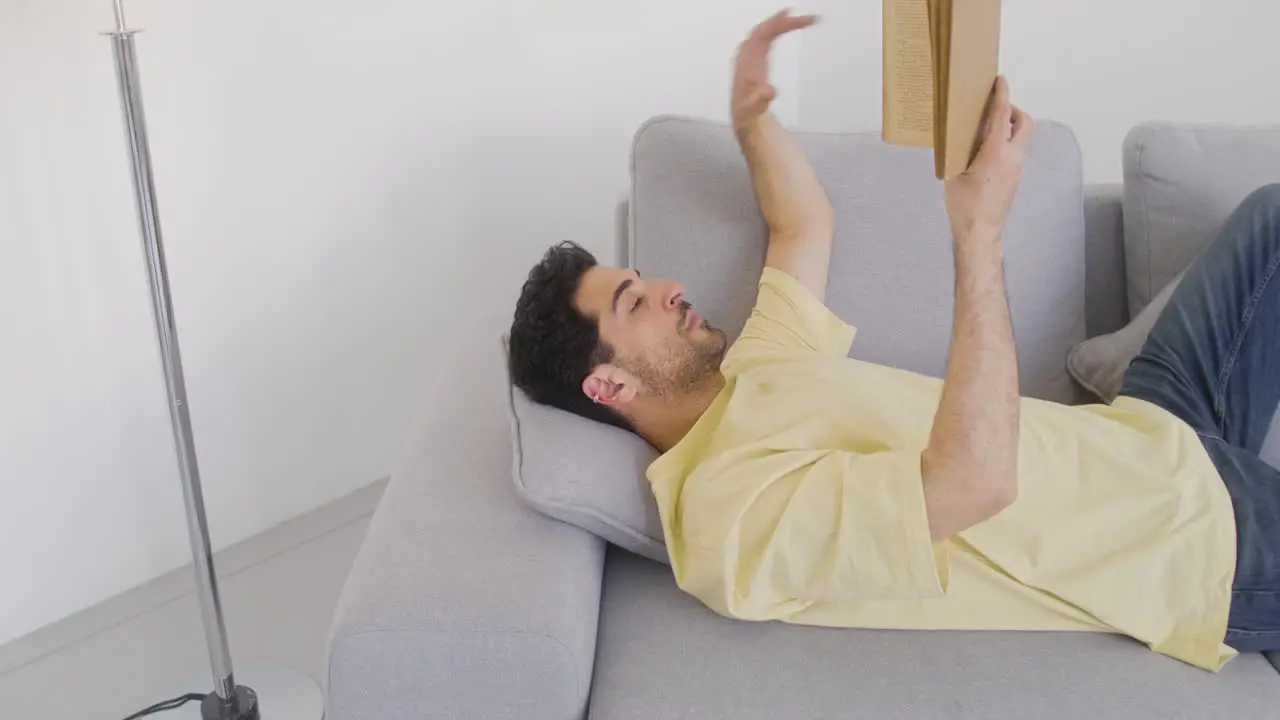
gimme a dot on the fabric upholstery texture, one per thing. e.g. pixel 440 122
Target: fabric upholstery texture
pixel 1106 300
pixel 585 473
pixel 1098 363
pixel 1180 184
pixel 663 655
pixel 694 218
pixel 463 602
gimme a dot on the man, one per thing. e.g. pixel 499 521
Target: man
pixel 796 484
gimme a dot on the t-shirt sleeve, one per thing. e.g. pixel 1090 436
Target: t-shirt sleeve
pixel 788 315
pixel 839 527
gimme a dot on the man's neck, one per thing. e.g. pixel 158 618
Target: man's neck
pixel 667 423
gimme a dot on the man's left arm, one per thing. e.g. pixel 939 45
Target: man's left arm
pixel 794 204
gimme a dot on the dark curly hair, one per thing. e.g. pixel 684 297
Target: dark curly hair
pixel 553 346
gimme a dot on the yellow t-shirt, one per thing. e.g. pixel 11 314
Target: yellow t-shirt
pixel 798 497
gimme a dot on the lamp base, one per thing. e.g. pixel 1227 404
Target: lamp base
pixel 273 692
pixel 212 707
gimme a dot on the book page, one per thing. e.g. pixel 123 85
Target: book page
pixel 974 61
pixel 908 74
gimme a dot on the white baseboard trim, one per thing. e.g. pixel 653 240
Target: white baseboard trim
pixel 177 583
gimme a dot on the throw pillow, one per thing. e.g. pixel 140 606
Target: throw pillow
pixel 585 473
pixel 1099 363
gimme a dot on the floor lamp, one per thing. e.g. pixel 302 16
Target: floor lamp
pixel 277 693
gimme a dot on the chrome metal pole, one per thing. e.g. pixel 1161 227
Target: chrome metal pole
pixel 158 278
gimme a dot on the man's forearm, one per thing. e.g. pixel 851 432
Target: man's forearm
pixel 791 198
pixel 970 466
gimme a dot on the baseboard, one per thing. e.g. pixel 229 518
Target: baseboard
pixel 177 583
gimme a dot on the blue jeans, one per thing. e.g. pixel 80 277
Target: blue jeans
pixel 1213 360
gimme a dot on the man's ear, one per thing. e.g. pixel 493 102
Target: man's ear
pixel 610 385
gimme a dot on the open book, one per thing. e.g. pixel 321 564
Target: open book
pixel 940 63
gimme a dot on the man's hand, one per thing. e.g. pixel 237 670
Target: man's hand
pixel 752 92
pixel 978 199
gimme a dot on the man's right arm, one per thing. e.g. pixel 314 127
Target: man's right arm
pixel 970 467
pixel 795 206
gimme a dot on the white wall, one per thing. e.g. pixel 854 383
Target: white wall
pixel 1100 66
pixel 351 194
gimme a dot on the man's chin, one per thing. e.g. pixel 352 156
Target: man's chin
pixel 717 339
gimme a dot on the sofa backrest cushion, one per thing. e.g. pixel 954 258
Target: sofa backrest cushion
pixel 1180 183
pixel 694 218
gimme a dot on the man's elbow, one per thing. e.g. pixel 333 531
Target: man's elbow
pixel 804 228
pixel 957 500
pixel 1000 494
pixel 987 496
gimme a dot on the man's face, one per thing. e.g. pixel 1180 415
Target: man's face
pixel 658 339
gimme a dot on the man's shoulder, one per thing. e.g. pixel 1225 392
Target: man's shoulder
pixel 748 356
pixel 787 316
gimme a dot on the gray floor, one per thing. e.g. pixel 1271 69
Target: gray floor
pixel 279 592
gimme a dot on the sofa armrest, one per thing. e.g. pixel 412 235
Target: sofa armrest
pixel 1106 296
pixel 463 602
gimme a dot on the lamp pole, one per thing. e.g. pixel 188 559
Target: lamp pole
pixel 288 694
pixel 297 696
pixel 227 701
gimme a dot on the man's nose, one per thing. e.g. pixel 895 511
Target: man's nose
pixel 675 294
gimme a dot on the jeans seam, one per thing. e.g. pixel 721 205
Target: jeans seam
pixel 1253 591
pixel 1253 633
pixel 1220 395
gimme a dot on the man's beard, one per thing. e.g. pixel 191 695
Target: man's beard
pixel 685 364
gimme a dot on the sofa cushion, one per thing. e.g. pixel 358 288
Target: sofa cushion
pixel 585 473
pixel 1106 297
pixel 661 654
pixel 1180 184
pixel 1099 363
pixel 694 218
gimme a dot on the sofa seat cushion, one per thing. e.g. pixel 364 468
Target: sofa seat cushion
pixel 661 654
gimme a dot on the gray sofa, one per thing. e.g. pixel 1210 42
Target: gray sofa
pixel 466 603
